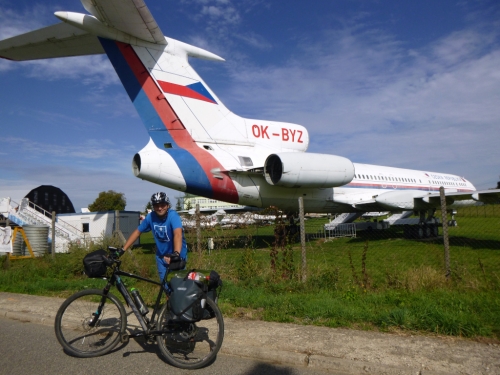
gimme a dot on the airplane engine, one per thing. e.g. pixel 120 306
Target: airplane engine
pixel 157 166
pixel 297 169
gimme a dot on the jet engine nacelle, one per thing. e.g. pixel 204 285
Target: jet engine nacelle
pixel 157 166
pixel 298 169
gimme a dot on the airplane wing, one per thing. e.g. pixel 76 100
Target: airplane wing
pixel 59 40
pixel 491 196
pixel 130 16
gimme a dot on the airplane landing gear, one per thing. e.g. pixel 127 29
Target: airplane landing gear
pixel 428 227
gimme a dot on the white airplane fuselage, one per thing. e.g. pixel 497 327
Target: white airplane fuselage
pixel 199 146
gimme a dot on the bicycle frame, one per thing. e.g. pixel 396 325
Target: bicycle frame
pixel 146 324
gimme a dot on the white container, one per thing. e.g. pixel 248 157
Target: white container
pixel 38 238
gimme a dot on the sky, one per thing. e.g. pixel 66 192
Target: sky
pixel 409 84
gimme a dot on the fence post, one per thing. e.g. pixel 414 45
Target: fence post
pixel 446 242
pixel 117 220
pixel 198 229
pixel 7 261
pixel 302 239
pixel 53 234
pixel 118 233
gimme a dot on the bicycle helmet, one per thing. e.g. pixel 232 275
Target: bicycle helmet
pixel 160 197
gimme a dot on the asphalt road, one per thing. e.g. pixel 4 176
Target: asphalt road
pixel 27 348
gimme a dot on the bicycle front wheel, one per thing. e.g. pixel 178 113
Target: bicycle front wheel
pixel 83 331
pixel 191 345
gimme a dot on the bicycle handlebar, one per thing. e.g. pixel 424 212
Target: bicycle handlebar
pixel 114 254
pixel 176 262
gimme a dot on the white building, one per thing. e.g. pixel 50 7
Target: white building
pixel 103 224
pixel 189 201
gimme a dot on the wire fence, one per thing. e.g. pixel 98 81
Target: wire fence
pixel 371 251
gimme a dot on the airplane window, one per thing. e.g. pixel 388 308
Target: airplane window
pixel 206 147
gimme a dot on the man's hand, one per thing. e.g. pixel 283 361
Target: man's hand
pixel 174 257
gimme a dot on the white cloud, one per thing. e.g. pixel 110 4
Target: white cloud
pixel 254 40
pixel 95 70
pixel 87 149
pixel 363 95
pixel 13 23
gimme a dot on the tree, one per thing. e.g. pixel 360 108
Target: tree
pixel 109 201
pixel 178 205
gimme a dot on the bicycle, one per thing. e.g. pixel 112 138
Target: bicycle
pixel 92 322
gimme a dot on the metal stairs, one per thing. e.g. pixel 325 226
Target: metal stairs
pixel 402 219
pixel 28 213
pixel 343 219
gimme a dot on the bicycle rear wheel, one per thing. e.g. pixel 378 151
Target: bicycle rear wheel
pixel 191 345
pixel 83 334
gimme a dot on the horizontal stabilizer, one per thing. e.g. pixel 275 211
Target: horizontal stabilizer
pixel 130 17
pixel 60 40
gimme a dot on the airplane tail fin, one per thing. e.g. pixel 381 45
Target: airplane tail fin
pixel 177 109
pixel 161 80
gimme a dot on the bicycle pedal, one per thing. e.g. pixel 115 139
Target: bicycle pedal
pixel 151 340
pixel 124 338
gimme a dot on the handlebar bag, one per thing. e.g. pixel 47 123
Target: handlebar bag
pixel 94 263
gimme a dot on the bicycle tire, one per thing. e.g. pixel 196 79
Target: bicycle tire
pixel 72 324
pixel 191 345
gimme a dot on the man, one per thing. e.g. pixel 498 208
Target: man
pixel 167 231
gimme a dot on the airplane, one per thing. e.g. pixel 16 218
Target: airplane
pixel 199 146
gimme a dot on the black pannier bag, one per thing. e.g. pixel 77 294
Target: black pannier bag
pixel 94 263
pixel 213 286
pixel 210 278
pixel 187 299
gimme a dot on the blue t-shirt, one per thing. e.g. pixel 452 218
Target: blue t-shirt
pixel 163 232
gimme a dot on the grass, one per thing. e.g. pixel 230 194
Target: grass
pixel 378 281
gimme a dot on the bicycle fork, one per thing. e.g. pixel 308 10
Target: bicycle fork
pixel 97 314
